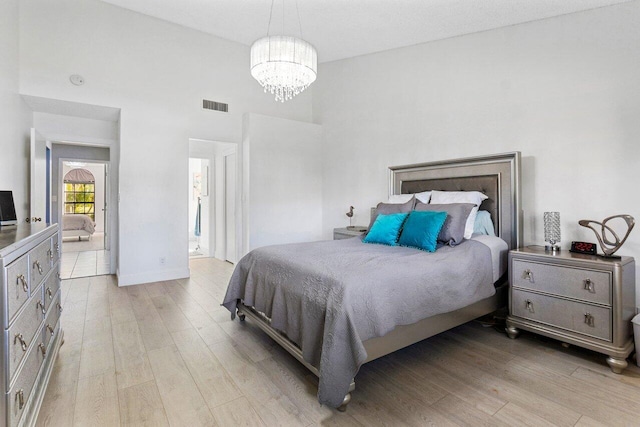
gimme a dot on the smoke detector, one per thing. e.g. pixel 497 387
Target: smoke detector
pixel 77 79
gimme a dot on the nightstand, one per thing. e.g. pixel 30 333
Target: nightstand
pixel 347 233
pixel 585 300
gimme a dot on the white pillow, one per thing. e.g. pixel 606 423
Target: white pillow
pixel 404 198
pixel 396 199
pixel 475 197
pixel 424 196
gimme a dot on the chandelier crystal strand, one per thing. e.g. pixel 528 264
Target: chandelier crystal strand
pixel 285 66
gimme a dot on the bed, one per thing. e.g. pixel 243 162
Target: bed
pixel 77 226
pixel 336 305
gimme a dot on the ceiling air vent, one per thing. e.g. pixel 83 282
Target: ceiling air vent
pixel 216 106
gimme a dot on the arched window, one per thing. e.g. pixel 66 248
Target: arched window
pixel 80 193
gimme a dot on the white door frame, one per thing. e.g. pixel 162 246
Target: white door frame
pixel 107 194
pixel 233 148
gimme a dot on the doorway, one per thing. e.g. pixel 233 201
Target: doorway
pixel 199 208
pixel 84 219
pixel 213 195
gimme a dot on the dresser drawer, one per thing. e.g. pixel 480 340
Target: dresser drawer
pixel 585 285
pixel 17 276
pixel 55 245
pixel 40 259
pixel 18 396
pixel 23 331
pixel 51 286
pixel 51 321
pixel 585 319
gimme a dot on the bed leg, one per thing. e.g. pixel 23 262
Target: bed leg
pixel 345 402
pixel 347 398
pixel 241 315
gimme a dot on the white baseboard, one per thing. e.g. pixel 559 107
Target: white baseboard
pixel 152 276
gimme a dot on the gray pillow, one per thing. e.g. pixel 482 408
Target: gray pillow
pixel 452 232
pixel 391 208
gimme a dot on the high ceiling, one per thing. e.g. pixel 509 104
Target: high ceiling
pixel 345 28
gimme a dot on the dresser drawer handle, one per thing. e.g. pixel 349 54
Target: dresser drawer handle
pixel 20 398
pixel 23 343
pixel 59 307
pixel 22 280
pixel 43 349
pixel 589 320
pixel 589 286
pixel 48 291
pixel 528 275
pixel 50 329
pixel 529 306
pixel 37 265
pixel 50 253
pixel 56 246
pixel 40 304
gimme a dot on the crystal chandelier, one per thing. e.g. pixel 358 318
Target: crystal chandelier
pixel 283 65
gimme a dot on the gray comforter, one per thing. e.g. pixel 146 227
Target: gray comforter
pixel 329 297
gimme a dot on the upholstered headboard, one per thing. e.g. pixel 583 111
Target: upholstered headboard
pixel 497 176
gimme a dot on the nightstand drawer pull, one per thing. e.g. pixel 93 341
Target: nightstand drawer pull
pixel 589 286
pixel 589 320
pixel 529 305
pixel 527 275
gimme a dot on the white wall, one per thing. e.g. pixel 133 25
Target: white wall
pixel 97 169
pixel 58 127
pixel 16 115
pixel 157 73
pixel 281 163
pixel 563 91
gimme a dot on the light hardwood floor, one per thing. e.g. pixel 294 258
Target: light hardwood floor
pixel 167 354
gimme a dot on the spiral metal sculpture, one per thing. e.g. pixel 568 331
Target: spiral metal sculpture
pixel 609 247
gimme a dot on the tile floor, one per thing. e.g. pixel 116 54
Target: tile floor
pixel 84 264
pixel 96 243
pixel 84 258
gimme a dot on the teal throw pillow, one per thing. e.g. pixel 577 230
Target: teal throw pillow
pixel 421 230
pixel 385 229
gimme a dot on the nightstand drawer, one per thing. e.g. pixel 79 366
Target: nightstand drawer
pixel 585 319
pixel 586 285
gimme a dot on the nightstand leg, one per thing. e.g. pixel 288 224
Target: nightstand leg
pixel 513 332
pixel 616 365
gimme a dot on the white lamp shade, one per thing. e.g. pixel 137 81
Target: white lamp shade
pixel 283 65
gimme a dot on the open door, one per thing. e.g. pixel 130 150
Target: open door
pixel 38 193
pixel 230 207
pixel 106 206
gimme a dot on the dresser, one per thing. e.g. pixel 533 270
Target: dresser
pixel 347 233
pixel 584 300
pixel 30 311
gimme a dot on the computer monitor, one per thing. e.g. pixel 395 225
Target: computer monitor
pixel 7 209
